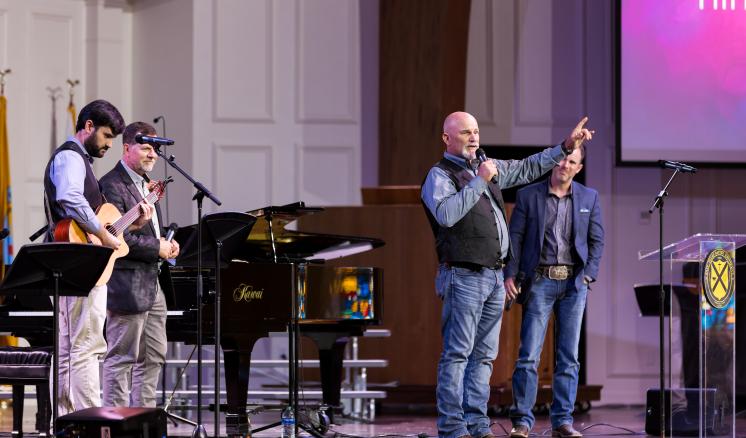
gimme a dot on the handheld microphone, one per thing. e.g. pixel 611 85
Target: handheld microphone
pixel 169 237
pixel 153 140
pixel 681 167
pixel 518 281
pixel 482 157
pixel 4 233
pixel 171 231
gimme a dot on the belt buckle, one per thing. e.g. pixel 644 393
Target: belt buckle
pixel 558 272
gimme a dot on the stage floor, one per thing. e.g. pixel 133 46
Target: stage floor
pixel 603 421
pixel 599 421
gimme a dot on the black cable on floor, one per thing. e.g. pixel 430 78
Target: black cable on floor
pixel 548 432
pixel 628 431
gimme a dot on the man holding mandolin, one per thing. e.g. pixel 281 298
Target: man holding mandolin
pixel 72 198
pixel 136 306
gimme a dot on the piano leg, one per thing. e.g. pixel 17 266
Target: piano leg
pixel 18 411
pixel 331 353
pixel 43 409
pixel 237 367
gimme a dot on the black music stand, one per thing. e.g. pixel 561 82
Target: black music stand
pixel 57 269
pixel 223 234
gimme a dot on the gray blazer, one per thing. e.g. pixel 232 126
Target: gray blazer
pixel 133 284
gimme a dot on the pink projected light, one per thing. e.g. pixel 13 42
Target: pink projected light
pixel 683 81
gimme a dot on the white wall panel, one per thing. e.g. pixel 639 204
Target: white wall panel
pixel 328 175
pixel 550 62
pixel 526 69
pixel 3 38
pixel 533 49
pixel 108 63
pixel 242 176
pixel 243 61
pixel 480 76
pixel 328 61
pixel 51 55
pixel 283 76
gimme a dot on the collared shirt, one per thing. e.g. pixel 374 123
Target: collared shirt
pixel 67 173
pixel 449 205
pixel 142 186
pixel 557 248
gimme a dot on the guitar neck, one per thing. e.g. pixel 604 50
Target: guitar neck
pixel 131 216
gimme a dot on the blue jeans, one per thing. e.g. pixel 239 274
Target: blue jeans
pixel 568 304
pixel 470 326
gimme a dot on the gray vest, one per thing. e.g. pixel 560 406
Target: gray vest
pixel 91 189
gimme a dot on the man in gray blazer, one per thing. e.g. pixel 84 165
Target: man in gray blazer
pixel 136 306
pixel 557 239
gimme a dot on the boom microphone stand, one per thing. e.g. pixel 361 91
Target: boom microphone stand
pixel 202 191
pixel 162 119
pixel 658 203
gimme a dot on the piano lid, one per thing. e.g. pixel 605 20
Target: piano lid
pixel 291 245
pixel 296 246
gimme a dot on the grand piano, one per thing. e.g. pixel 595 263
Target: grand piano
pixel 257 287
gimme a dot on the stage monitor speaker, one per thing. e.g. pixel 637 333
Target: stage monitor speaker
pixel 113 423
pixel 684 411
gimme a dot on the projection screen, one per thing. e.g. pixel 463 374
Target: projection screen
pixel 682 81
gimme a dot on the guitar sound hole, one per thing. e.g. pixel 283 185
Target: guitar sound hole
pixel 111 230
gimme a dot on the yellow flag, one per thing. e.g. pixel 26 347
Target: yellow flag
pixel 6 218
pixel 73 113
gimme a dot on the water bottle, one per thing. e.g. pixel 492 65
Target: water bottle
pixel 288 423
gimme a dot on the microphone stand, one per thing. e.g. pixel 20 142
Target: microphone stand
pixel 202 191
pixel 162 119
pixel 658 203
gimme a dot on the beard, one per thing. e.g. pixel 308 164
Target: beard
pixel 92 148
pixel 147 167
pixel 469 153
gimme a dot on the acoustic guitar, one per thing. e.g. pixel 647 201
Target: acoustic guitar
pixel 67 230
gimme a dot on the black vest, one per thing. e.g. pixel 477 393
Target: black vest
pixel 91 189
pixel 474 238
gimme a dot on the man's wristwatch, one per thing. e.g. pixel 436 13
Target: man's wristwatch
pixel 565 150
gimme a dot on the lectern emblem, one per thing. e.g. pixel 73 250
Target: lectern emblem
pixel 719 278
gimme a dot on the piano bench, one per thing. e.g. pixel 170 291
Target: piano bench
pixel 21 366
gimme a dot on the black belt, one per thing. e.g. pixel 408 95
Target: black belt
pixel 474 266
pixel 555 272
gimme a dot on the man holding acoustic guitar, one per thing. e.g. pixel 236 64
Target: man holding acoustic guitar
pixel 136 306
pixel 72 203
